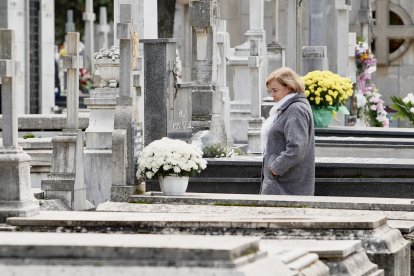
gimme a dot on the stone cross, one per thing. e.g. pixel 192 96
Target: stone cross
pixel 16 198
pixel 103 28
pixel 124 30
pixel 8 95
pixel 66 178
pixel 383 32
pixel 124 111
pixel 72 62
pixel 69 26
pixel 89 18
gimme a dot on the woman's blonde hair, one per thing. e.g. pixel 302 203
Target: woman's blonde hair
pixel 287 77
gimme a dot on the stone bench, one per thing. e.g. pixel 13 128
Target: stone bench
pixel 384 245
pixel 149 255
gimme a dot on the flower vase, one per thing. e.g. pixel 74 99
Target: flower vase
pixel 173 185
pixel 322 117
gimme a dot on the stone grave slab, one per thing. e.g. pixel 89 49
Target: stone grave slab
pixel 400 220
pixel 145 254
pixel 342 257
pixel 322 202
pixel 384 245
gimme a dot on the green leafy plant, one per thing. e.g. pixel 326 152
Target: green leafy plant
pixel 218 150
pixel 403 107
pixel 28 136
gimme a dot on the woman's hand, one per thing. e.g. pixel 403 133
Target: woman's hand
pixel 273 173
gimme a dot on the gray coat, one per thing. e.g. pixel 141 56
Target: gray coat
pixel 290 151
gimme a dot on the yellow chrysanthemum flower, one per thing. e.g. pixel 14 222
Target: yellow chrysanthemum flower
pixel 324 88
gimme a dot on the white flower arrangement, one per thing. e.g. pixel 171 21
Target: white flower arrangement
pixel 170 157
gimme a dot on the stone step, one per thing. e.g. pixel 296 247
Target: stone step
pixel 407 142
pixel 364 150
pixel 376 177
pixel 250 167
pixel 366 132
pixel 348 187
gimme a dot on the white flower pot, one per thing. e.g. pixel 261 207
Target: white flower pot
pixel 173 185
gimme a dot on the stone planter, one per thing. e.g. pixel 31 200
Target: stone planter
pixel 108 70
pixel 173 185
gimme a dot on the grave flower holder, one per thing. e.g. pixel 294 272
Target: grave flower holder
pixel 326 92
pixel 322 117
pixel 172 162
pixel 172 185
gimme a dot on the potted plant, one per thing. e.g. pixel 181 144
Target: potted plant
pixel 327 93
pixel 172 162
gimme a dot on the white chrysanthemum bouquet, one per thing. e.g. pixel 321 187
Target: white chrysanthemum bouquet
pixel 170 157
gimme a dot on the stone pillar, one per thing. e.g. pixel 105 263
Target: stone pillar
pixel 365 18
pixel 351 56
pixel 292 43
pixel 207 104
pixel 223 46
pixel 69 25
pixel 159 89
pixel 66 179
pixel 98 151
pixel 256 121
pixel 124 120
pixel 89 18
pixel 103 29
pixel 16 197
pixel 317 22
pixel 240 105
pixel 342 30
pixel 275 50
pixel 182 30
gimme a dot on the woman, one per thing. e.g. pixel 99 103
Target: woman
pixel 288 139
